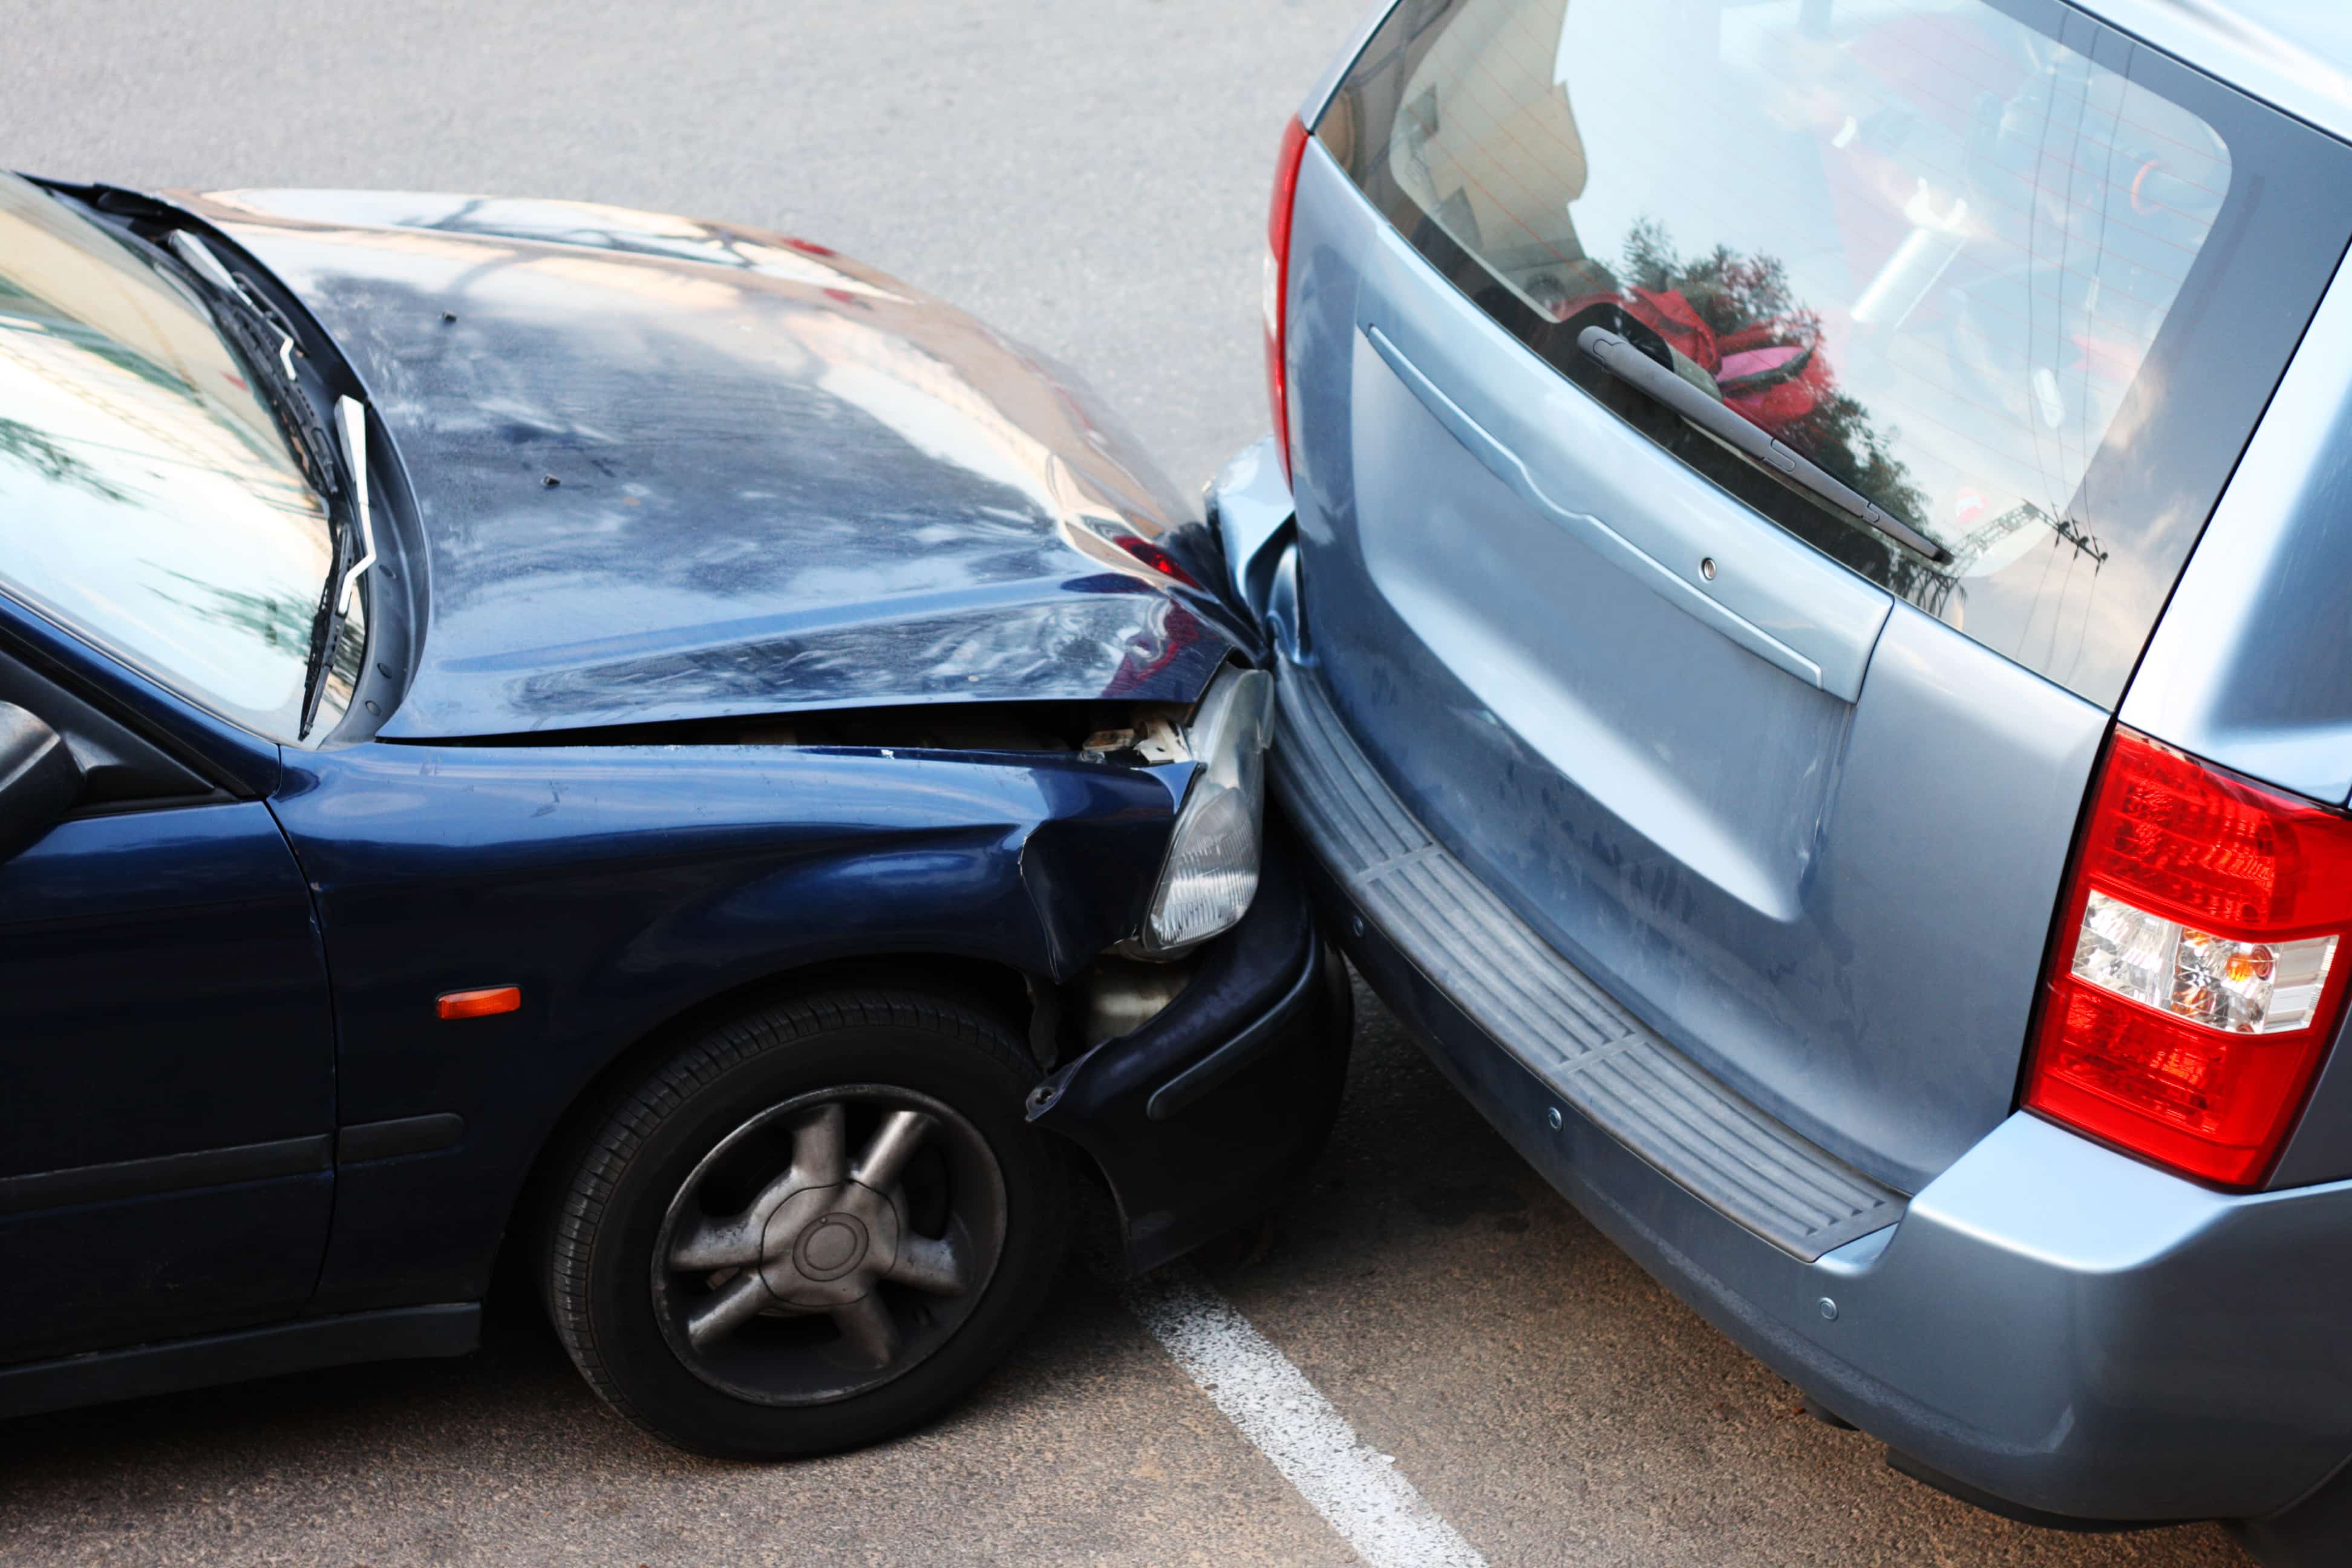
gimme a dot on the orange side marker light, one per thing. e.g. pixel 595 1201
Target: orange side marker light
pixel 478 1004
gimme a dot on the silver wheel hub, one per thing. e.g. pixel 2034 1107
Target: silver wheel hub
pixel 826 1246
pixel 826 1235
pixel 826 1251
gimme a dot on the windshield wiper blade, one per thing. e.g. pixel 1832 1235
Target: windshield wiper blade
pixel 265 341
pixel 1622 359
pixel 343 582
pixel 350 416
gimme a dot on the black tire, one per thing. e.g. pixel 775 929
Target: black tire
pixel 697 1130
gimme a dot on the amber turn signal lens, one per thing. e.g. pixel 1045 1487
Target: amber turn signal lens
pixel 478 1004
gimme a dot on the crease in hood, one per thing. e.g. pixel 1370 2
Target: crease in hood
pixel 780 481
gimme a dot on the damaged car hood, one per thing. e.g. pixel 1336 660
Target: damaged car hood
pixel 668 469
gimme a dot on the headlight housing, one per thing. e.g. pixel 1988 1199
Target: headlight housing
pixel 1212 870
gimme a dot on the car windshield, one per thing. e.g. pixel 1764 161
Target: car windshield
pixel 149 501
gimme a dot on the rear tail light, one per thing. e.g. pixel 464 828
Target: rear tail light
pixel 2199 978
pixel 1276 281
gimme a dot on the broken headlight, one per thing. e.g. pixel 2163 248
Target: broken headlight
pixel 1212 870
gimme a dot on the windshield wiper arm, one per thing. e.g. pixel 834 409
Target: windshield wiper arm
pixel 265 342
pixel 343 582
pixel 350 416
pixel 1620 358
pixel 252 324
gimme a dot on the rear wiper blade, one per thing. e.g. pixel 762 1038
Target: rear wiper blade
pixel 1622 359
pixel 267 344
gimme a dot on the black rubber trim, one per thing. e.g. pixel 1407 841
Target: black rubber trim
pixel 2309 1532
pixel 71 696
pixel 1237 1053
pixel 402 1136
pixel 441 1329
pixel 1976 1497
pixel 164 1174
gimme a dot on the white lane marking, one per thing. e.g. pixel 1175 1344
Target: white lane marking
pixel 1355 1488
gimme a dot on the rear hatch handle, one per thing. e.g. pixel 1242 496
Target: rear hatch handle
pixel 1628 363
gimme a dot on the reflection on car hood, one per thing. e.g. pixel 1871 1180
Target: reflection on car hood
pixel 670 469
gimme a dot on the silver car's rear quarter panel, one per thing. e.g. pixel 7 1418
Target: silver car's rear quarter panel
pixel 2252 664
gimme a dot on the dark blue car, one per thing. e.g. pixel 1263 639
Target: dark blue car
pixel 638 747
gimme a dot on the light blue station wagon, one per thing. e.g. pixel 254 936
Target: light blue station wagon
pixel 1809 542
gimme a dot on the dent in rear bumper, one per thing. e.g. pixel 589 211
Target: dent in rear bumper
pixel 2052 1322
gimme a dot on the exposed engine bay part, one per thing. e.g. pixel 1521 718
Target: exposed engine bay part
pixel 1154 738
pixel 1122 994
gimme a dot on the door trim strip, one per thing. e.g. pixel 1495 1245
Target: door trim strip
pixel 140 1372
pixel 365 1141
pixel 164 1174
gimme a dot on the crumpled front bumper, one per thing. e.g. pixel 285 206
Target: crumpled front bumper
pixel 1197 1118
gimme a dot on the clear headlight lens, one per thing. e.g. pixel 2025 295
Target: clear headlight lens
pixel 1212 870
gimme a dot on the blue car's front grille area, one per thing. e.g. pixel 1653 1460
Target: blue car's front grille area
pixel 1560 1026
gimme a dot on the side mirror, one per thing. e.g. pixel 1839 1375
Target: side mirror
pixel 39 780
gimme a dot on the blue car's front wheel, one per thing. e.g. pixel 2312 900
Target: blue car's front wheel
pixel 813 1226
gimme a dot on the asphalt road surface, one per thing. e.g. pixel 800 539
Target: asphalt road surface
pixel 1090 175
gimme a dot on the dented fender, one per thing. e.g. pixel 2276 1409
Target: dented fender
pixel 621 887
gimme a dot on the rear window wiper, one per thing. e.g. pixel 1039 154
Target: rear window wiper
pixel 265 341
pixel 1620 358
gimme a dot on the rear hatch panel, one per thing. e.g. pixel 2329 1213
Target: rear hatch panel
pixel 1838 907
pixel 1744 769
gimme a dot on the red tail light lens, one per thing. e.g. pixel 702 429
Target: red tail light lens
pixel 2200 977
pixel 1277 282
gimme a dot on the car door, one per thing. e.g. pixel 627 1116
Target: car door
pixel 166 1066
pixel 1674 684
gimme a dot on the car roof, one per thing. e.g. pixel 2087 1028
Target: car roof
pixel 2295 55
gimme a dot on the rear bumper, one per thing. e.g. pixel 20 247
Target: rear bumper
pixel 1197 1119
pixel 2048 1323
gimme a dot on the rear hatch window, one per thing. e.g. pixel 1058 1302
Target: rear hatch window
pixel 2021 282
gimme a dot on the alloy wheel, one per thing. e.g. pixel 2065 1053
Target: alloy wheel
pixel 828 1244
